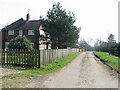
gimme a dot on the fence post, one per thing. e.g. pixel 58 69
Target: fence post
pixel 39 59
pixel 2 58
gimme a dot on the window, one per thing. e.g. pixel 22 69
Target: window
pixel 20 32
pixel 30 32
pixel 10 32
pixel 6 45
pixel 32 45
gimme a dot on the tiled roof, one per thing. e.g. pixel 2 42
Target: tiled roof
pixel 22 24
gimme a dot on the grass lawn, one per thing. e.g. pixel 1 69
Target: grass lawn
pixel 113 61
pixel 13 80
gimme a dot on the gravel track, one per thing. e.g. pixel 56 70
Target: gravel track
pixel 86 71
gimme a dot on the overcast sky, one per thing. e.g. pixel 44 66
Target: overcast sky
pixel 98 18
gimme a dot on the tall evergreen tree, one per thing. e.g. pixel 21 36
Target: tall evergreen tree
pixel 60 26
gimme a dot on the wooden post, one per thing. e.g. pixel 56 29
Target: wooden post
pixel 22 53
pixel 38 58
pixel 35 57
pixel 13 51
pixel 32 59
pixel 17 56
pixel 6 55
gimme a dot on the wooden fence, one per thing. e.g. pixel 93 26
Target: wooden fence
pixel 34 58
pixel 49 56
pixel 28 59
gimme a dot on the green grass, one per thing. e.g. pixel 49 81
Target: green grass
pixel 38 71
pixel 111 60
pixel 54 66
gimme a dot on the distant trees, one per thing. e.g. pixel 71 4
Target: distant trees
pixel 20 43
pixel 84 45
pixel 60 26
pixel 106 46
pixel 101 46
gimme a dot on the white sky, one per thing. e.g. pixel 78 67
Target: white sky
pixel 98 18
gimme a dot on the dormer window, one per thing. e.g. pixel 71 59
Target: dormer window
pixel 30 32
pixel 10 32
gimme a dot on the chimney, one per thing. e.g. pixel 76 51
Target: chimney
pixel 27 17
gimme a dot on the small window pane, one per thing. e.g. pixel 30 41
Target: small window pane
pixel 30 32
pixel 20 32
pixel 10 32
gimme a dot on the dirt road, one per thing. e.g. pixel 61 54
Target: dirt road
pixel 84 72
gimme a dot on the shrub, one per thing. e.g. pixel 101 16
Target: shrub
pixel 19 43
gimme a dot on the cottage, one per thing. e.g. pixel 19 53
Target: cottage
pixel 29 28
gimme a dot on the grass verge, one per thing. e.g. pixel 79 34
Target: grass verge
pixel 14 80
pixel 112 61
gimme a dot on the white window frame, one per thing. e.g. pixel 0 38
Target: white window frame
pixel 20 32
pixel 10 32
pixel 6 45
pixel 31 32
